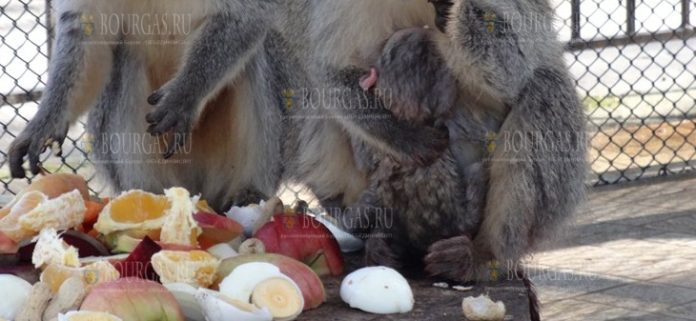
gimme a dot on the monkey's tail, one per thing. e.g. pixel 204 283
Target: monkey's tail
pixel 534 305
pixel 537 169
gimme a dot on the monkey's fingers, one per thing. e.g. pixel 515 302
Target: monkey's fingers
pixel 18 150
pixel 159 126
pixel 36 148
pixel 155 98
pixel 180 139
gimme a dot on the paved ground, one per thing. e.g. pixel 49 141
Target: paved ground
pixel 631 255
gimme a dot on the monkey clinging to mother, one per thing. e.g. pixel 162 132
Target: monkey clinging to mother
pixel 458 117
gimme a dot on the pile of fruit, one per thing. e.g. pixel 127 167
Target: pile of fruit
pixel 143 256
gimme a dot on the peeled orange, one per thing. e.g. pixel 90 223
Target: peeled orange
pixel 197 268
pixel 61 213
pixel 139 213
pixel 134 210
pixel 34 211
pixel 98 272
pixel 179 226
pixel 9 225
pixel 52 186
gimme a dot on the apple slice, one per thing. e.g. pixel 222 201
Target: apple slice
pixel 302 237
pixel 134 299
pixel 7 245
pixel 216 229
pixel 137 264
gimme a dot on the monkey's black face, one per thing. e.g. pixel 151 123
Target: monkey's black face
pixel 442 10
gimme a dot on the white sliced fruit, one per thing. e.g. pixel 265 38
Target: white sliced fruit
pixel 87 316
pixel 379 290
pixel 222 251
pixel 482 308
pixel 51 249
pixel 185 294
pixel 16 291
pixel 219 307
pixel 240 283
pixel 281 296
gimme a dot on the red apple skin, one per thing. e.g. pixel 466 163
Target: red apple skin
pixel 305 239
pixel 216 229
pixel 137 264
pixel 7 245
pixel 134 299
pixel 309 282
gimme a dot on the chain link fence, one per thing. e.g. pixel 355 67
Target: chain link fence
pixel 634 63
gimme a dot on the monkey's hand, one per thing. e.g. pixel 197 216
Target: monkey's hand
pixel 412 78
pixel 452 259
pixel 175 113
pixel 42 132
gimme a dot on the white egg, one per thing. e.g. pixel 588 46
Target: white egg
pixel 218 307
pixel 16 291
pixel 240 283
pixel 379 290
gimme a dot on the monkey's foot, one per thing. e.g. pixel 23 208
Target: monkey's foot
pixel 379 253
pixel 451 259
pixel 173 113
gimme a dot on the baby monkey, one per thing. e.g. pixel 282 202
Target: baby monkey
pixel 411 214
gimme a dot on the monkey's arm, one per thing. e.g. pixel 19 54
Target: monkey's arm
pixel 79 68
pixel 537 171
pixel 225 43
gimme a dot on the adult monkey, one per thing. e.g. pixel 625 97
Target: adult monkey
pixel 217 70
pixel 506 59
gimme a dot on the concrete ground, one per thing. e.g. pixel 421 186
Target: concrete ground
pixel 631 255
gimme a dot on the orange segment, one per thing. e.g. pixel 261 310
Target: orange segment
pixel 98 272
pixel 61 213
pixel 134 210
pixel 179 226
pixel 197 268
pixel 9 225
pixel 138 207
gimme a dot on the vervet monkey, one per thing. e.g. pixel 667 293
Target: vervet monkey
pixel 507 61
pixel 205 78
pixel 407 207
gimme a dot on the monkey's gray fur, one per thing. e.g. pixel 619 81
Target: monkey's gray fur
pixel 217 84
pixel 507 61
pixel 224 86
pixel 408 208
